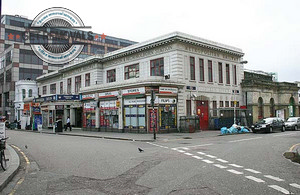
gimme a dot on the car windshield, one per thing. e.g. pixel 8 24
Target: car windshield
pixel 264 121
pixel 292 120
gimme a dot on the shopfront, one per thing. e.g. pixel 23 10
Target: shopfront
pixel 109 107
pixel 36 115
pixel 89 111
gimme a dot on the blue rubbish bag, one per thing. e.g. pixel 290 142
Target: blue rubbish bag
pixel 233 129
pixel 224 131
pixel 244 130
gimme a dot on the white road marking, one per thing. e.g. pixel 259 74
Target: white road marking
pixel 208 161
pixel 284 134
pixel 235 172
pixel 199 145
pixel 201 153
pixel 255 179
pixel 211 156
pixel 174 148
pixel 237 166
pixel 189 154
pixel 253 171
pixel 274 178
pixel 197 157
pixel 220 166
pixel 180 151
pixel 295 185
pixel 184 148
pixel 221 160
pixel 240 140
pixel 280 189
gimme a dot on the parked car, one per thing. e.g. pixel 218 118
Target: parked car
pixel 268 125
pixel 293 123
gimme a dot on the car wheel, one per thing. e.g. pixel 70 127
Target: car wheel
pixel 271 130
pixel 283 129
pixel 296 128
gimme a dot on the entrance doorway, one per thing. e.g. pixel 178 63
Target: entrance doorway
pixel 202 112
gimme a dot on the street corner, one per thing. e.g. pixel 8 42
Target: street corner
pixel 293 153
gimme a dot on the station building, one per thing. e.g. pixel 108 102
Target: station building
pixel 190 76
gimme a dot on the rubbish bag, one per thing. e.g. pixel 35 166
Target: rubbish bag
pixel 233 129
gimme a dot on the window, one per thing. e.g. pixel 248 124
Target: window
pixel 232 103
pixel 260 108
pixel 23 94
pixel 14 35
pixel 220 72
pixel 87 79
pixel 227 104
pixel 29 57
pixel 132 71
pixel 221 104
pixel 8 57
pixel 227 74
pixel 44 90
pixel 69 85
pixel 210 71
pixel 188 108
pixel 215 111
pixel 30 93
pixel 192 68
pixel 157 67
pixel 201 66
pixel 61 88
pixel 234 75
pixel 272 108
pixel 29 73
pixel 111 75
pixel 53 88
pixel 77 84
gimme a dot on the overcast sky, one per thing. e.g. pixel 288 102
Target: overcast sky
pixel 268 31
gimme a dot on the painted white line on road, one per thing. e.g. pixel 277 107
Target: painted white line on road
pixel 184 148
pixel 235 172
pixel 274 178
pixel 255 179
pixel 198 145
pixel 180 151
pixel 240 140
pixel 189 154
pixel 295 185
pixel 202 153
pixel 252 171
pixel 237 166
pixel 221 160
pixel 220 166
pixel 211 156
pixel 208 161
pixel 174 148
pixel 284 134
pixel 197 157
pixel 280 189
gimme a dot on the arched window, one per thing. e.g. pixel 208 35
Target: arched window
pixel 30 93
pixel 292 107
pixel 260 108
pixel 272 108
pixel 23 94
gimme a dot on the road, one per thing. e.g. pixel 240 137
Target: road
pixel 235 164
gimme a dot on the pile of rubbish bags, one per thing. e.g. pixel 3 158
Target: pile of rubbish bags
pixel 234 129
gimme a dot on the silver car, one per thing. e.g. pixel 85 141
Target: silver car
pixel 293 123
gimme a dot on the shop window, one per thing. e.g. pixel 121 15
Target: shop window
pixel 77 84
pixel 157 67
pixel 135 117
pixel 111 75
pixel 53 88
pixel 192 68
pixel 220 66
pixel 201 66
pixel 87 79
pixel 167 116
pixel 132 71
pixel 210 71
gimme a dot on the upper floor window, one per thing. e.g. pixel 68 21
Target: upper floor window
pixel 61 88
pixel 53 88
pixel 23 93
pixel 234 75
pixel 192 68
pixel 44 90
pixel 132 71
pixel 30 93
pixel 69 85
pixel 220 66
pixel 210 71
pixel 201 66
pixel 87 79
pixel 157 67
pixel 227 74
pixel 111 75
pixel 77 84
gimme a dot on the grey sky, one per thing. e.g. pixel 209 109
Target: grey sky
pixel 268 31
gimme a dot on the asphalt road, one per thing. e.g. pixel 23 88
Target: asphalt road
pixel 236 164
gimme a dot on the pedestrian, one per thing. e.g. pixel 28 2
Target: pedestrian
pixel 68 124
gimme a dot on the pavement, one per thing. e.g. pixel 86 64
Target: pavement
pixel 14 161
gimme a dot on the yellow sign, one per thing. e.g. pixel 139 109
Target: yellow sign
pixel 118 103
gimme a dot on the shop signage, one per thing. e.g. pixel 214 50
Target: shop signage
pixel 134 101
pixel 149 98
pixel 88 97
pixel 106 105
pixel 67 97
pixel 167 100
pixel 168 90
pixel 26 107
pixel 109 94
pixel 46 99
pixel 59 107
pixel 134 91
